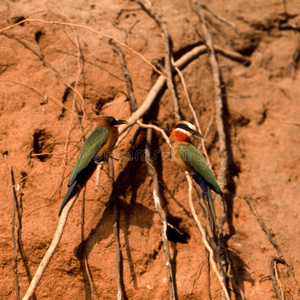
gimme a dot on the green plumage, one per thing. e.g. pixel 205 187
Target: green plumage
pixel 196 160
pixel 202 173
pixel 85 165
pixel 89 149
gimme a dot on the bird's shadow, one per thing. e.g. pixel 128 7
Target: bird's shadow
pixel 240 273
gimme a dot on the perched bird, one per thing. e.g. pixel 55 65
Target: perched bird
pixel 189 158
pixel 96 148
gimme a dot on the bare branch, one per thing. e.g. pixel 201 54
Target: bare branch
pixel 164 224
pixel 51 250
pixel 98 172
pixel 87 28
pixel 146 5
pixel 273 271
pixel 157 129
pixel 193 112
pixel 264 227
pixel 132 101
pixel 203 233
pixel 220 18
pixel 15 205
pixel 119 268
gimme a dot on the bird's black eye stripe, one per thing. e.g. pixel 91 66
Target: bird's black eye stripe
pixel 183 126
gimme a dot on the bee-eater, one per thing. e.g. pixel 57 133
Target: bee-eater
pixel 96 148
pixel 187 156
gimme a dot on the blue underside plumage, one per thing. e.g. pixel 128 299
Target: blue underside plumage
pixel 206 187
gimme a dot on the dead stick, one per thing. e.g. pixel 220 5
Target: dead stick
pixel 205 242
pixel 221 131
pixel 193 112
pixel 51 250
pixel 98 172
pixel 264 227
pixel 146 5
pixel 132 101
pixel 158 86
pixel 273 277
pixel 15 205
pixel 164 225
pixel 277 277
pixel 85 260
pixel 116 232
pixel 157 129
pixel 218 95
pixel 87 28
pixel 218 17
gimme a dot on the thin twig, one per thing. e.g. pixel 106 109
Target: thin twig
pixel 296 56
pixel 87 28
pixel 146 5
pixel 63 166
pixel 277 279
pixel 182 62
pixel 164 225
pixel 90 278
pixel 19 233
pixel 273 275
pixel 193 112
pixel 132 100
pixel 218 95
pixel 98 173
pixel 205 242
pixel 235 28
pixel 51 250
pixel 264 227
pixel 85 260
pixel 152 172
pixel 187 96
pixel 119 268
pixel 15 205
pixel 151 126
pixel 221 133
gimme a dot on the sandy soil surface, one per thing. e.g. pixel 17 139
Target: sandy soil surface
pixel 56 79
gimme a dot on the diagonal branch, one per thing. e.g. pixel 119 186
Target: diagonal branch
pixel 132 100
pixel 146 5
pixel 119 266
pixel 182 62
pixel 15 205
pixel 264 227
pixel 205 242
pixel 51 250
pixel 164 224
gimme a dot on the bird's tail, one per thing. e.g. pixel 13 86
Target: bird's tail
pixel 72 190
pixel 206 189
pixel 212 209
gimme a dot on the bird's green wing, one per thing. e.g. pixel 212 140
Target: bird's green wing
pixel 89 149
pixel 196 160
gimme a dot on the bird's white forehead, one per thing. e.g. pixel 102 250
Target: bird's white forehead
pixel 188 124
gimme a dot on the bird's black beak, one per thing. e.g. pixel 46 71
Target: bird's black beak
pixel 119 122
pixel 195 132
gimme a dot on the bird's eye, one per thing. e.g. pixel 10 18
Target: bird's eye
pixel 113 121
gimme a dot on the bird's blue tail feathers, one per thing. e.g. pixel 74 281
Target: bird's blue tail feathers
pixel 72 190
pixel 206 189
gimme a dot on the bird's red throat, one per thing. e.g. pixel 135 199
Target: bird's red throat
pixel 181 136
